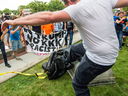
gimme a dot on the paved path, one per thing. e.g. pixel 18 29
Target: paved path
pixel 29 60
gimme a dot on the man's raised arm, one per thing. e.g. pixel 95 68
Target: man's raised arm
pixel 121 3
pixel 36 19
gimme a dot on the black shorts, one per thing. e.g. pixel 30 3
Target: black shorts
pixel 125 33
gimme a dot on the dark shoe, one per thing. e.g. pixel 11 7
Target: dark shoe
pixel 123 44
pixel 8 65
pixel 127 45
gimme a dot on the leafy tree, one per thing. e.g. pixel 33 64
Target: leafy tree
pixel 14 11
pixel 55 5
pixel 37 6
pixel 113 10
pixel 6 10
pixel 1 12
pixel 22 7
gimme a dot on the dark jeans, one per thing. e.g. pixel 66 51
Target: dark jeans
pixel 86 70
pixel 70 32
pixel 120 36
pixel 2 47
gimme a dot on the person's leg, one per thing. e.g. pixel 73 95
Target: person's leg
pixel 117 33
pixel 3 51
pixel 71 37
pixel 76 51
pixel 120 39
pixel 124 38
pixel 85 73
pixel 8 43
pixel 19 45
pixel 14 44
pixel 15 53
pixel 66 37
pixel 4 54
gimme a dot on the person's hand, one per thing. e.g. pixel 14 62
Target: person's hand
pixel 123 18
pixel 6 24
pixel 2 38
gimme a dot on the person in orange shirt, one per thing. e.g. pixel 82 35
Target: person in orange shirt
pixel 47 29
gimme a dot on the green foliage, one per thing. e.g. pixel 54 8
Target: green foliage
pixel 14 11
pixel 113 10
pixel 6 10
pixel 1 12
pixel 125 9
pixel 55 5
pixel 32 86
pixel 22 7
pixel 37 6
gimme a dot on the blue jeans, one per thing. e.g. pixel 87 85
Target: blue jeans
pixel 2 47
pixel 86 70
pixel 120 36
pixel 70 32
pixel 16 44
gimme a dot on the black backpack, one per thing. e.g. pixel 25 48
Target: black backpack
pixel 69 25
pixel 56 65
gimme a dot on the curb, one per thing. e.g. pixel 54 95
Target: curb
pixel 10 51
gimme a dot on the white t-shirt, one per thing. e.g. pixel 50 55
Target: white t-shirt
pixel 94 21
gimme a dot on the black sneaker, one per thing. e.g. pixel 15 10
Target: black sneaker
pixel 8 65
pixel 123 44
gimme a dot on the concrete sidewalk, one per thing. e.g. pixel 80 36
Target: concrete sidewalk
pixel 29 60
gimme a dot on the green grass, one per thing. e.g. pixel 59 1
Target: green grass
pixel 32 86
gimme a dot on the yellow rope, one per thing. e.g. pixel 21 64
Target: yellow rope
pixel 36 74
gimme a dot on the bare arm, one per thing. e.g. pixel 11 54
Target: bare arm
pixel 2 37
pixel 53 31
pixel 21 32
pixel 13 32
pixel 40 18
pixel 121 3
pixel 64 25
pixel 118 21
pixel 42 31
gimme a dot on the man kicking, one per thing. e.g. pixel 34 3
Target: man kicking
pixel 94 21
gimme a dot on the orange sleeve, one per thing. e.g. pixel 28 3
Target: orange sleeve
pixel 42 27
pixel 52 26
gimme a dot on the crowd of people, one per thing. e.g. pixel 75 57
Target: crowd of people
pixel 121 26
pixel 100 45
pixel 14 38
